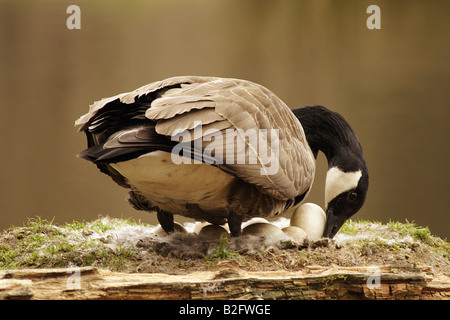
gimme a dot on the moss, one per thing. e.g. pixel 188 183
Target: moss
pixel 352 227
pixel 410 228
pixel 329 280
pixel 41 244
pixel 75 225
pixel 307 257
pixel 222 251
pixel 443 249
pixel 349 227
pixel 7 255
pixel 394 236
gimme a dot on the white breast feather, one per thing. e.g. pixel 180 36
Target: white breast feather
pixel 171 186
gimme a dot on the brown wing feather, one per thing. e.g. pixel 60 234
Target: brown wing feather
pixel 246 106
pixel 225 104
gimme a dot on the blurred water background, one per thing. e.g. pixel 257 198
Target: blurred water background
pixel 391 84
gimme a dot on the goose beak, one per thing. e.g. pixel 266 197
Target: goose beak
pixel 333 224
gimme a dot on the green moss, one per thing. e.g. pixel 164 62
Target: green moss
pixel 102 225
pixel 352 227
pixel 410 228
pixel 222 250
pixel 443 249
pixel 349 227
pixel 75 225
pixel 7 255
pixel 41 244
pixel 392 237
pixel 329 280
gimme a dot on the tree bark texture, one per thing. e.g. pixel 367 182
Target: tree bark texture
pixel 227 282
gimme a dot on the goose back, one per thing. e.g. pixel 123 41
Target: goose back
pixel 161 110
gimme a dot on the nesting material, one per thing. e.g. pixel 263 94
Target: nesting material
pixel 295 233
pixel 177 226
pixel 307 221
pixel 311 218
pixel 266 230
pixel 212 231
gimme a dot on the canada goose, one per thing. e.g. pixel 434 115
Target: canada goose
pixel 143 138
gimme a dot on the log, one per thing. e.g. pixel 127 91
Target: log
pixel 228 282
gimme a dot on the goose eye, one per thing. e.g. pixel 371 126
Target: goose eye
pixel 352 196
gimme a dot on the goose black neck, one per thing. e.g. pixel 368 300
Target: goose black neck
pixel 330 133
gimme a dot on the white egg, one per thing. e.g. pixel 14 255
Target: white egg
pixel 161 233
pixel 266 230
pixel 311 218
pixel 198 226
pixel 295 233
pixel 254 220
pixel 212 231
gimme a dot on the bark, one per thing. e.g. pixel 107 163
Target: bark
pixel 228 282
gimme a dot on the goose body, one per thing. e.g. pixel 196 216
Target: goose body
pixel 212 149
pixel 186 189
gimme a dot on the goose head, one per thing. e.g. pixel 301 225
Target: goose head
pixel 345 194
pixel 347 178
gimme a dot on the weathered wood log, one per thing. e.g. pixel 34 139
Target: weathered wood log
pixel 228 282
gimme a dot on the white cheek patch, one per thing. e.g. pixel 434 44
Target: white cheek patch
pixel 338 181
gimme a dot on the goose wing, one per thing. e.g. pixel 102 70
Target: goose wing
pixel 207 109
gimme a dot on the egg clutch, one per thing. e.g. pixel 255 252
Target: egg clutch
pixel 307 221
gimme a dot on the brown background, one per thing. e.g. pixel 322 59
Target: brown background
pixel 391 84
